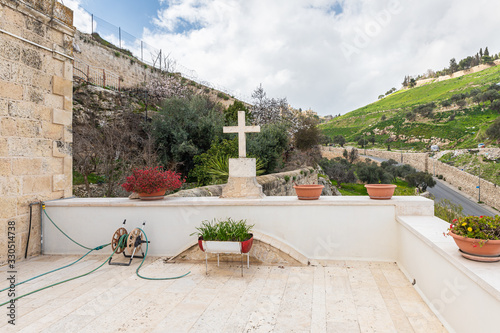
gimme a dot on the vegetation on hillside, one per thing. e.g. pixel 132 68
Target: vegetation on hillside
pixel 456 113
pixel 182 131
pixel 481 57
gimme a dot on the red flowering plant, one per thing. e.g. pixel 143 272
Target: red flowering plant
pixel 477 227
pixel 150 180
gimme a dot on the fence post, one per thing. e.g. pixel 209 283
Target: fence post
pixel 142 59
pixel 120 36
pixel 92 24
pixel 103 78
pixel 88 73
pixel 160 60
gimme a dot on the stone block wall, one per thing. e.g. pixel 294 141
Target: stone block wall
pixel 131 72
pixel 467 183
pixel 35 114
pixel 417 160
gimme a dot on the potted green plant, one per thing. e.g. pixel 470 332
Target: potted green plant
pixel 152 183
pixel 225 236
pixel 478 237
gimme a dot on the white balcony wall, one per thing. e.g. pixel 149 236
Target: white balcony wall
pixel 328 228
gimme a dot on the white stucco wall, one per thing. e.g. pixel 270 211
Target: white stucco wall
pixel 328 228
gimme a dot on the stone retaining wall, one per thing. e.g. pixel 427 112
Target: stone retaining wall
pixel 490 193
pixel 276 184
pixel 467 183
pixel 417 160
pixel 35 114
pixel 131 72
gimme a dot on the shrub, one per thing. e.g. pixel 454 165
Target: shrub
pixel 338 170
pixel 231 113
pixel 495 105
pixel 212 167
pixel 447 210
pixel 308 135
pixel 420 179
pixel 184 128
pixel 225 230
pixel 461 103
pixel 270 145
pixel 494 130
pixel 339 140
pixel 445 103
pixel 287 178
pixel 353 155
pixel 150 180
pixel 371 173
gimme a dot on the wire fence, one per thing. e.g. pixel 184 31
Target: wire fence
pixel 148 54
pixel 96 76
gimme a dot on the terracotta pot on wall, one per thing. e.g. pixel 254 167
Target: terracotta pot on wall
pixel 308 192
pixel 153 196
pixel 380 191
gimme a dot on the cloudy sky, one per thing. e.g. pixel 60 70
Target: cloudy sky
pixel 332 56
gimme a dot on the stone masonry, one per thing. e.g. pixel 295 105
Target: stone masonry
pixel 275 184
pixel 36 103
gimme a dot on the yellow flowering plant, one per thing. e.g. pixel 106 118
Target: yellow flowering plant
pixel 478 227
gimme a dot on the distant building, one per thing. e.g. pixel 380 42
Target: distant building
pixel 309 112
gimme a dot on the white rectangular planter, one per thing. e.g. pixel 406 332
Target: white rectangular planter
pixel 222 247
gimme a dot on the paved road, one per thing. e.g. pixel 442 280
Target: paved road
pixel 470 207
pixel 443 190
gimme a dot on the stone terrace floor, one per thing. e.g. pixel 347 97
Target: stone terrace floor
pixel 340 296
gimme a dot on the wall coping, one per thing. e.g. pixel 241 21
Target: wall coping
pixel 215 201
pixel 430 231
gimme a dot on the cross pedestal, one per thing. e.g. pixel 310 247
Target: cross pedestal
pixel 242 181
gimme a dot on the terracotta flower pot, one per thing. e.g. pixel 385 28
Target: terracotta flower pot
pixel 246 245
pixel 153 196
pixel 308 192
pixel 477 247
pixel 380 191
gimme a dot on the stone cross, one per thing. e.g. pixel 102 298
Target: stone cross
pixel 241 129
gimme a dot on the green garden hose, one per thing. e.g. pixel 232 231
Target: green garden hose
pixel 52 271
pixel 71 239
pixel 120 244
pixel 145 254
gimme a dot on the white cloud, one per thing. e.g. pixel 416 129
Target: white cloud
pixel 81 18
pixel 301 50
pixel 316 53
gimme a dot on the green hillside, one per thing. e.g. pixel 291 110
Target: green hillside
pixel 458 118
